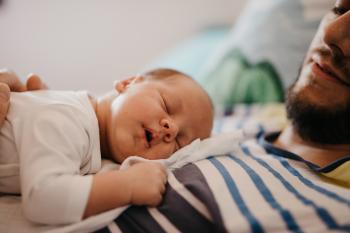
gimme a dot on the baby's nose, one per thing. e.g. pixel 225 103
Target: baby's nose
pixel 169 129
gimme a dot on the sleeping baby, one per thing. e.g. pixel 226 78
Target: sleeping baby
pixel 52 143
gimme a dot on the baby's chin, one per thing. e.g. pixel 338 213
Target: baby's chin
pixel 121 159
pixel 117 158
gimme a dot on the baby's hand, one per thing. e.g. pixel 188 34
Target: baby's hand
pixel 147 183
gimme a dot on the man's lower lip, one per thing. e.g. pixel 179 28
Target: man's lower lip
pixel 319 73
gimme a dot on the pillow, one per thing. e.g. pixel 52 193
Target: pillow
pixel 261 56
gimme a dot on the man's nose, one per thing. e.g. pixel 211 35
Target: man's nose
pixel 169 129
pixel 337 35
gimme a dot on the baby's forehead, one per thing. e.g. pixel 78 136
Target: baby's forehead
pixel 179 82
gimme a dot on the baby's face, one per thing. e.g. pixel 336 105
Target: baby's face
pixel 154 118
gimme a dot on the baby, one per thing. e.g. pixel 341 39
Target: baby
pixel 52 143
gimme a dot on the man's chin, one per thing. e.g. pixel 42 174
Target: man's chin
pixel 318 119
pixel 311 95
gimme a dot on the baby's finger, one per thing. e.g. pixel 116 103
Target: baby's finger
pixel 34 82
pixel 161 167
pixel 4 101
pixel 157 200
pixel 11 79
pixel 165 178
pixel 162 176
pixel 162 188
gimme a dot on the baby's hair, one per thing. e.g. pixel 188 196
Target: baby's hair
pixel 163 74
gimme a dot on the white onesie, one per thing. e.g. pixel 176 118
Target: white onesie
pixel 48 144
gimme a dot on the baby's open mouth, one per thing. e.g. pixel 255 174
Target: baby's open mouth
pixel 148 135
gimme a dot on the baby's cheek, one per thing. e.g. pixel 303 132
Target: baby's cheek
pixel 161 151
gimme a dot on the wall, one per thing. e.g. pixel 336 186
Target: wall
pixel 86 44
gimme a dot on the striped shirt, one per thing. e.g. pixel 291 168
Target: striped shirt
pixel 260 188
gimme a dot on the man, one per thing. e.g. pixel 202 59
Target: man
pixel 286 195
pixel 318 103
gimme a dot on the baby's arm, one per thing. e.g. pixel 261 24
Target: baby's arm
pixel 141 184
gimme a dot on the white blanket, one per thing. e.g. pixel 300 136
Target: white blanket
pixel 197 150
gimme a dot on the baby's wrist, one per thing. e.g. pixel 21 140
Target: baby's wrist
pixel 126 188
pixel 131 185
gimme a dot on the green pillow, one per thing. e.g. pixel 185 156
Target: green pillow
pixel 235 80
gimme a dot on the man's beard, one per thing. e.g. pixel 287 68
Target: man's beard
pixel 318 124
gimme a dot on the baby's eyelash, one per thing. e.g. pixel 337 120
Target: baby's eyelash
pixel 339 11
pixel 165 105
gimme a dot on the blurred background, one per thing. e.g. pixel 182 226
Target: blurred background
pixel 87 44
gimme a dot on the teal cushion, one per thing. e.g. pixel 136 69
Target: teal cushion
pixel 190 55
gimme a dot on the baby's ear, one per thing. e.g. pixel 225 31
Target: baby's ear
pixel 122 85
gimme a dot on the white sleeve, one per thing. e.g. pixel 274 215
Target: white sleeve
pixel 51 147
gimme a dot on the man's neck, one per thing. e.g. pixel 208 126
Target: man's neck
pixel 321 155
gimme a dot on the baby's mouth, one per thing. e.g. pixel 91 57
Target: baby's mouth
pixel 149 137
